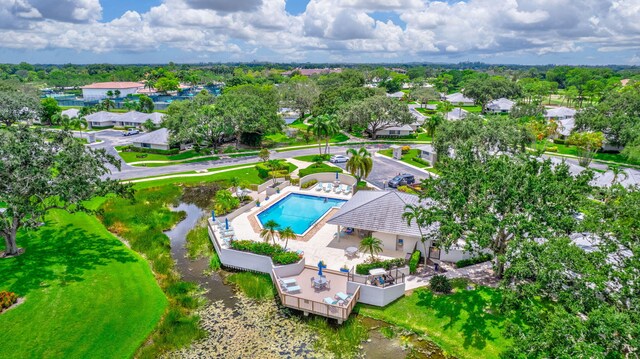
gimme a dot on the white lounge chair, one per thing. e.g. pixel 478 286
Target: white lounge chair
pixel 328 187
pixel 319 186
pixel 292 289
pixel 288 281
pixel 347 189
pixel 337 189
pixel 342 296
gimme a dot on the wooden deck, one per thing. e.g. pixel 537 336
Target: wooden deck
pixel 312 301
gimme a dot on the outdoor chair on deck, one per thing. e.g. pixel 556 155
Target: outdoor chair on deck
pixel 319 186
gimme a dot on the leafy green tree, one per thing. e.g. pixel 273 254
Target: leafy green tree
pixel 264 154
pixel 371 245
pixel 431 123
pixel 413 213
pixel 496 200
pixel 444 108
pixel 377 113
pixel 324 126
pixel 109 94
pixel 587 144
pixel 145 104
pixel 269 231
pixel 42 170
pixel 107 104
pixel 167 83
pixel 286 234
pixel 225 202
pixel 485 90
pixel 48 109
pixel 300 94
pixel 424 94
pixel 148 125
pixel 117 93
pixel 18 103
pixel 360 163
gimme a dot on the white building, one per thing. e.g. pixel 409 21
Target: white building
pixel 501 105
pixel 127 119
pixel 559 113
pixel 458 98
pixel 404 130
pixel 158 140
pixel 98 90
pixel 456 114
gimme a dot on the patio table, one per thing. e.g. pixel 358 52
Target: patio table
pixel 351 251
pixel 320 282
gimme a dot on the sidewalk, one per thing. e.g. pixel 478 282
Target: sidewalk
pixel 481 273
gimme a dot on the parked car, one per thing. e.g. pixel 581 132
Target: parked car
pixel 401 180
pixel 131 132
pixel 338 159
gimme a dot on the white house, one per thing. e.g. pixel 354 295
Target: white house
pixel 404 130
pixel 458 98
pixel 427 153
pixel 71 113
pixel 501 105
pixel 559 113
pixel 456 114
pixel 379 214
pixel 127 119
pixel 98 90
pixel 399 95
pixel 158 139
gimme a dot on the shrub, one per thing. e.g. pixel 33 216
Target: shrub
pixel 440 284
pixel 264 170
pixel 559 141
pixel 229 149
pixel 552 149
pixel 364 268
pixel 225 202
pixel 268 143
pixel 309 184
pixel 276 252
pixel 422 161
pixel 294 181
pixel 413 262
pixel 318 169
pixel 483 257
pixel 7 299
pixel 406 149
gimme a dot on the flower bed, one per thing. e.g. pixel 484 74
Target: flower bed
pixel 275 252
pixel 7 299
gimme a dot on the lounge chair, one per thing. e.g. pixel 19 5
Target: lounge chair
pixel 330 301
pixel 293 289
pixel 342 296
pixel 337 189
pixel 346 190
pixel 288 281
pixel 328 187
pixel 319 186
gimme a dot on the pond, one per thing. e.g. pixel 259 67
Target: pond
pixel 241 327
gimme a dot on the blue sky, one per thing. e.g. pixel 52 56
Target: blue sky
pixel 595 32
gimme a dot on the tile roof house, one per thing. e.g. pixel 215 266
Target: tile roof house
pixel 71 113
pixel 397 95
pixel 456 114
pixel 158 139
pixel 404 130
pixel 501 105
pixel 560 113
pixel 98 91
pixel 457 98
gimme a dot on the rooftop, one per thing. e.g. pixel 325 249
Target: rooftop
pixel 157 137
pixel 113 85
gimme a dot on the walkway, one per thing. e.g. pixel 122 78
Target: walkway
pixel 481 273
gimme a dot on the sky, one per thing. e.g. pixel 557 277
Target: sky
pixel 530 32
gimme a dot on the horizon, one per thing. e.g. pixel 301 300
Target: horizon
pixel 592 33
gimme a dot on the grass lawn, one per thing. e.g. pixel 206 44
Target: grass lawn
pixel 307 158
pixel 406 158
pixel 131 156
pixel 163 164
pixel 572 151
pixel 87 294
pixel 284 140
pixel 249 174
pixel 463 324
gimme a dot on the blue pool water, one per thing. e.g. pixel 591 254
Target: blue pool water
pixel 299 211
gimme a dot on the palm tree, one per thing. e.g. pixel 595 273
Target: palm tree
pixel 432 123
pixel 78 123
pixel 269 231
pixel 148 125
pixel 444 108
pixel 286 234
pixel 65 122
pixel 107 104
pixel 371 245
pixel 234 181
pixel 411 213
pixel 617 171
pixel 317 128
pixel 109 94
pixel 332 127
pixel 117 93
pixel 360 163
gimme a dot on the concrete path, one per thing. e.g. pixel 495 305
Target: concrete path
pixel 481 273
pixel 300 164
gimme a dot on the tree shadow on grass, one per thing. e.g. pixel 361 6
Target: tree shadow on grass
pixel 475 327
pixel 57 256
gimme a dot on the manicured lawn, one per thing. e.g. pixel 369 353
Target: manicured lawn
pixel 406 158
pixel 87 294
pixel 248 174
pixel 163 164
pixel 423 136
pixel 572 151
pixel 463 324
pixel 307 158
pixel 131 156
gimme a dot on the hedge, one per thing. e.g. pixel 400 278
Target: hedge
pixel 131 148
pixel 413 262
pixel 422 161
pixel 364 268
pixel 7 299
pixel 475 260
pixel 276 252
pixel 264 170
pixel 309 184
pixel 318 169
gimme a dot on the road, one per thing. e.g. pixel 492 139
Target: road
pixel 385 169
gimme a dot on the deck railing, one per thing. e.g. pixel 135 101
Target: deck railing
pixel 339 312
pixel 398 276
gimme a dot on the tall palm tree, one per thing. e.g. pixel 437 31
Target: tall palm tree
pixel 332 127
pixel 371 245
pixel 411 213
pixel 78 123
pixel 444 108
pixel 269 231
pixel 432 123
pixel 107 104
pixel 286 234
pixel 318 129
pixel 360 163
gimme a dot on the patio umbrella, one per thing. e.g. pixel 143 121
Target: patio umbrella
pixel 336 175
pixel 320 266
pixel 226 223
pixel 213 216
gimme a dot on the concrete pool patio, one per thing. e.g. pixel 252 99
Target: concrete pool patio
pixel 320 244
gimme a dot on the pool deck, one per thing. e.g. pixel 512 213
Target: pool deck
pixel 320 243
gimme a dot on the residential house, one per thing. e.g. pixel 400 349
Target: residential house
pixel 456 114
pixel 397 131
pixel 399 95
pixel 501 105
pixel 98 91
pixel 559 113
pixel 71 113
pixel 379 214
pixel 158 140
pixel 458 98
pixel 427 153
pixel 127 119
pixel 311 72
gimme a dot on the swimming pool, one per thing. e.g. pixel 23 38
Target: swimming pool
pixel 299 211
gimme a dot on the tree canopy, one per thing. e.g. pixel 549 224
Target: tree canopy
pixel 377 113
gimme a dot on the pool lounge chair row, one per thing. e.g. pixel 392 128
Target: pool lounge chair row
pixel 328 187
